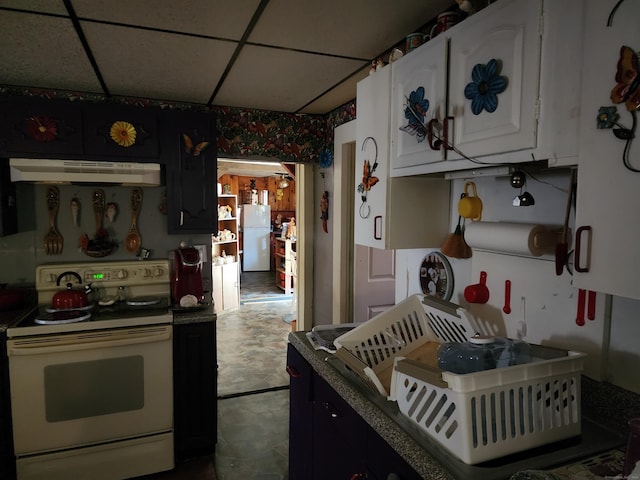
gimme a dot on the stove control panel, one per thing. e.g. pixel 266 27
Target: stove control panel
pixel 104 274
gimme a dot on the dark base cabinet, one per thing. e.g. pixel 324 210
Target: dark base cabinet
pixel 194 381
pixel 327 437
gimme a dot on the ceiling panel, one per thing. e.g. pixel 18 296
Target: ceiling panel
pixel 48 6
pixel 152 64
pixel 354 28
pixel 283 80
pixel 302 56
pixel 52 60
pixel 203 17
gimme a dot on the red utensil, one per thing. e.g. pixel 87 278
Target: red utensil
pixel 591 305
pixel 580 314
pixel 507 297
pixel 478 292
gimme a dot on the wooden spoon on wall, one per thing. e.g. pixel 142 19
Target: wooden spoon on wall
pixel 132 241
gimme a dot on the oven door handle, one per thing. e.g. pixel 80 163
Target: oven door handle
pixel 87 340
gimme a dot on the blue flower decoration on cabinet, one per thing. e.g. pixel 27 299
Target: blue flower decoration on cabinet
pixel 485 86
pixel 416 107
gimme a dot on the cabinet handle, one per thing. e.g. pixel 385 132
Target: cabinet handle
pixel 293 373
pixel 433 145
pixel 333 411
pixel 377 227
pixel 445 133
pixel 579 234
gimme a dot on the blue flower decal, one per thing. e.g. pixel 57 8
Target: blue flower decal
pixel 485 86
pixel 607 117
pixel 416 107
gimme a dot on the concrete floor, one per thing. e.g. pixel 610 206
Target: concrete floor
pixel 253 395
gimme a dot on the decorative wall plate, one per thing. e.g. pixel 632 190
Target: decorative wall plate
pixel 436 276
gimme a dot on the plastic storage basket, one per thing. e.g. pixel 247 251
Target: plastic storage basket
pixel 477 416
pixel 371 348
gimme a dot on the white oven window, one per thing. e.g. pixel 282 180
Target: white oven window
pixel 93 388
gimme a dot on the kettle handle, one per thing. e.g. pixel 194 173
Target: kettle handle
pixel 63 274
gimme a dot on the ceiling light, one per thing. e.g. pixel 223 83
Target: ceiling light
pixel 284 183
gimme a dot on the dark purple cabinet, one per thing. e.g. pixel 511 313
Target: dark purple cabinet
pixel 7 459
pixel 121 132
pixel 189 152
pixel 194 380
pixel 41 128
pixel 8 201
pixel 328 438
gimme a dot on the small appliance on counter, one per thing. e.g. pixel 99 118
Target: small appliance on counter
pixel 186 277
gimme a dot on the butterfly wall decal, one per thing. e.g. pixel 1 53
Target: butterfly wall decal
pixel 192 149
pixel 628 79
pixel 368 180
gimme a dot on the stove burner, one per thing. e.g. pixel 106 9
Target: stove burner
pixel 54 310
pixel 143 301
pixel 62 316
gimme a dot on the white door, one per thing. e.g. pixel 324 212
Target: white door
pixel 375 282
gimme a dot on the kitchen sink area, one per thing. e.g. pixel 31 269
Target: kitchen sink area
pixel 432 460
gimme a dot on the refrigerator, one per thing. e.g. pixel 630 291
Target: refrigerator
pixel 255 221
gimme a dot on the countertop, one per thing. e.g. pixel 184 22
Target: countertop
pixel 433 462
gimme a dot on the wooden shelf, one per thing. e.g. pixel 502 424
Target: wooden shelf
pixel 226 277
pixel 285 256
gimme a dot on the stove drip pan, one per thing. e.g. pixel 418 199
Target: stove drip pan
pixel 62 316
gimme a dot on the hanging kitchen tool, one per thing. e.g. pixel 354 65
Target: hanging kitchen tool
pixel 101 245
pixel 507 297
pixel 562 248
pixel 133 240
pixel 53 241
pixel 580 308
pixel 470 206
pixel 455 245
pixel 478 292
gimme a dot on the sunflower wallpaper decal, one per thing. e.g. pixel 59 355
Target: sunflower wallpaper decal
pixel 416 107
pixel 123 133
pixel 486 83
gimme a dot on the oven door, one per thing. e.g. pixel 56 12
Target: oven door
pixel 91 387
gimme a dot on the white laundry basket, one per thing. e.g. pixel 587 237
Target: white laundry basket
pixel 478 416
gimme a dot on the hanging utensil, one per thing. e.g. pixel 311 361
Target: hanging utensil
pixel 101 245
pixel 53 241
pixel 580 309
pixel 455 245
pixel 507 297
pixel 591 305
pixel 133 239
pixel 562 247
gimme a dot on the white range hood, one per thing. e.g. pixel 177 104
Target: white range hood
pixel 41 170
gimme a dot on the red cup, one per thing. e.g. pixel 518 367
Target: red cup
pixel 478 292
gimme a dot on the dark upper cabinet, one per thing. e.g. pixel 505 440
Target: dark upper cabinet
pixel 189 152
pixel 120 131
pixel 40 128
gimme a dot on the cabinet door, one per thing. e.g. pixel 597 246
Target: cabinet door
pixel 339 435
pixel 7 458
pixel 189 151
pixel 104 122
pixel 372 158
pixel 8 207
pixel 383 462
pixel 419 89
pixel 195 377
pixel 40 128
pixel 508 32
pixel 606 189
pixel 300 415
pixel 225 286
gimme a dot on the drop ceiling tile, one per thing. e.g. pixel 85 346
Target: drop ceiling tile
pixel 355 28
pixel 338 96
pixel 221 19
pixel 45 6
pixel 43 51
pixel 151 64
pixel 285 80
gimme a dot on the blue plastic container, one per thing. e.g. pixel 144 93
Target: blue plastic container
pixel 482 353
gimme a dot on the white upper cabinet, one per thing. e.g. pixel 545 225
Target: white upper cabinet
pixel 409 212
pixel 503 86
pixel 501 114
pixel 607 206
pixel 419 102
